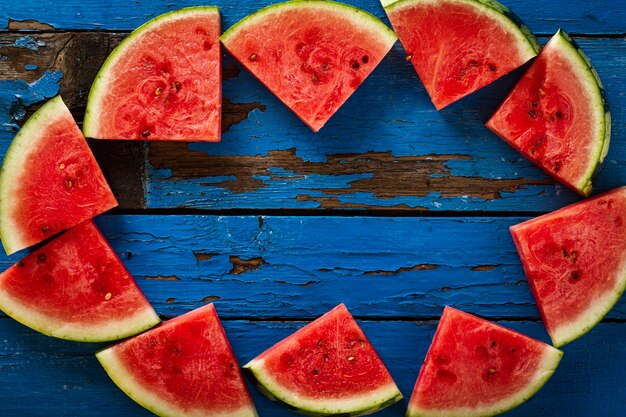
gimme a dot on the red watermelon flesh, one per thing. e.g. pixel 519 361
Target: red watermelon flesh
pixel 556 116
pixel 75 287
pixel 184 367
pixel 312 54
pixel 50 180
pixel 326 368
pixel 163 82
pixel 477 368
pixel 459 46
pixel 575 261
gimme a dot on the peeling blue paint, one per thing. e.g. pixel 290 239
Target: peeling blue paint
pixel 16 95
pixel 28 42
pixel 31 67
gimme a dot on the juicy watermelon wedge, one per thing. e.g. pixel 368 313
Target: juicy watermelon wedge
pixel 557 117
pixel 184 368
pixel 75 287
pixel 575 261
pixel 311 54
pixel 163 82
pixel 460 46
pixel 326 368
pixel 50 180
pixel 475 368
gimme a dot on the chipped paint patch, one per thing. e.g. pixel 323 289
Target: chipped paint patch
pixel 17 95
pixel 241 266
pixel 162 278
pixel 30 43
pixel 419 267
pixel 28 24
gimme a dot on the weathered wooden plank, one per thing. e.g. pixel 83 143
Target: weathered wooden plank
pixel 300 267
pixel 399 154
pixel 40 376
pixel 607 16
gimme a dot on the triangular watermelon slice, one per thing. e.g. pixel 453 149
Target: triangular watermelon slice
pixel 326 368
pixel 557 117
pixel 184 368
pixel 475 368
pixel 75 287
pixel 163 82
pixel 575 261
pixel 460 46
pixel 312 54
pixel 50 180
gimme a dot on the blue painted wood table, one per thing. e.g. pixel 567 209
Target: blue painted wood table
pixel 393 208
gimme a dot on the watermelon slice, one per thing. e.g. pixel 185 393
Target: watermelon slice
pixel 312 54
pixel 75 287
pixel 326 368
pixel 163 82
pixel 184 368
pixel 460 46
pixel 557 116
pixel 475 368
pixel 575 261
pixel 50 180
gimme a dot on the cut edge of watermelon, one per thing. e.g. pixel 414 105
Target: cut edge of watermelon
pixel 358 15
pixel 13 163
pixel 143 320
pixel 359 405
pixel 496 10
pixel 91 121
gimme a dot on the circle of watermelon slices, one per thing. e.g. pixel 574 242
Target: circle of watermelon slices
pixel 599 148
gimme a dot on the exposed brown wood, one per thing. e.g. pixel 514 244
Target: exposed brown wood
pixel 389 176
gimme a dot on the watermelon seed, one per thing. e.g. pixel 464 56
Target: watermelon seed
pixel 492 371
pixel 315 371
pixel 473 63
pixel 542 93
pixel 351 358
pixel 42 257
pixel 441 358
pixel 512 350
pixel 557 167
pixel 565 252
pixel 19 264
pixel 62 166
pixel 533 114
pixel 158 91
pixel 69 183
pixel 177 85
pixel 492 68
pixel 45 229
pixel 409 57
pixel 231 365
pixel 558 114
pixel 493 343
pixel 365 59
pixel 108 296
pixel 354 64
pixel 253 57
pixel 575 275
pixel 145 133
pixel 534 104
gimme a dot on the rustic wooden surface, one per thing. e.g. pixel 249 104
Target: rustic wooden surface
pixel 393 208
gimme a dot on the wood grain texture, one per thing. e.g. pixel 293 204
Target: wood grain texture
pixel 300 267
pixel 595 17
pixel 399 154
pixel 40 376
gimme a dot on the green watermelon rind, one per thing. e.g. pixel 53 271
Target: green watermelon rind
pixel 99 87
pixel 18 151
pixel 549 364
pixel 354 13
pixel 495 9
pixel 114 330
pixel 365 404
pixel 576 54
